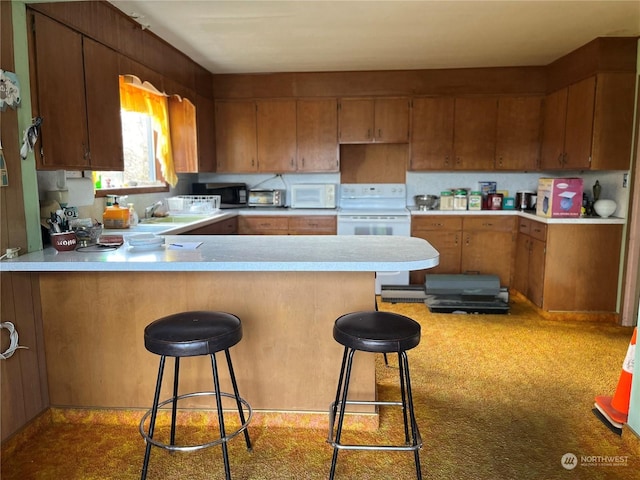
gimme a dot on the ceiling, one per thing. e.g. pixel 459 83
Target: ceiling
pixel 244 36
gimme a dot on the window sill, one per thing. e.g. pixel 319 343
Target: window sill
pixel 103 192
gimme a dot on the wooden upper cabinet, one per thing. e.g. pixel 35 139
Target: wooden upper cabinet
pixel 568 127
pixel 317 135
pixel 206 134
pixel 579 126
pixel 554 121
pixel 236 147
pixel 61 101
pixel 432 133
pixel 518 133
pixel 391 120
pixel 104 124
pixel 77 95
pixel 380 120
pixel 474 133
pixel 276 135
pixel 184 141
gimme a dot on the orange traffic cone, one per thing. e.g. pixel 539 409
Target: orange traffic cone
pixel 616 409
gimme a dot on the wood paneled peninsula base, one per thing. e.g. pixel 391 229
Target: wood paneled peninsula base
pixel 93 321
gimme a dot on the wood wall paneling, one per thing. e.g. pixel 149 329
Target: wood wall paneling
pixel 377 163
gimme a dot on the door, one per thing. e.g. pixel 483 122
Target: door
pixel 236 148
pixel 518 133
pixel 391 120
pixel 356 120
pixel 60 92
pixel 317 135
pixel 431 133
pixel 276 135
pixel 474 134
pixel 554 123
pixel 579 131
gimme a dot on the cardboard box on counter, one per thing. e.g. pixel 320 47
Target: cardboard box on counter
pixel 559 197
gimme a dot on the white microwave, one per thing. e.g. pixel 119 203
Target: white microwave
pixel 313 195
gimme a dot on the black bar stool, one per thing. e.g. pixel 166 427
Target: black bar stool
pixel 378 332
pixel 190 334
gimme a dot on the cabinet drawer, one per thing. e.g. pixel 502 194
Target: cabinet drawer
pixel 493 223
pixel 538 231
pixel 524 226
pixel 436 222
pixel 264 225
pixel 313 223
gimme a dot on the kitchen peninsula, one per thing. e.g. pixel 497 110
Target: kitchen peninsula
pixel 287 290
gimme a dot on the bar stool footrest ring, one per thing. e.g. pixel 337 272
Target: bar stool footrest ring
pixel 191 448
pixel 342 446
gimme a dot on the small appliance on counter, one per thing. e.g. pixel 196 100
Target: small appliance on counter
pixel 232 195
pixel 559 197
pixel 266 197
pixel 313 195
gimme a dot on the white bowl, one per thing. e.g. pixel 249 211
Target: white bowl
pixel 605 208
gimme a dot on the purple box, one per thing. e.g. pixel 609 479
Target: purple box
pixel 559 197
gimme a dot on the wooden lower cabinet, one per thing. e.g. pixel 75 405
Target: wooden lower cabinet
pixel 228 226
pixel 568 267
pixel 478 244
pixel 287 225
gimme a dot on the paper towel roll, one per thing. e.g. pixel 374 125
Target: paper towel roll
pixel 81 192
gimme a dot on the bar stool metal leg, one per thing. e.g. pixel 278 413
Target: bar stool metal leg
pixel 236 392
pixel 403 396
pixel 345 376
pixel 174 407
pixel 216 386
pixel 414 424
pixel 154 412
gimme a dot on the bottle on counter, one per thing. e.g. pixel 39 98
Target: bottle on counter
pixel 446 200
pixel 475 200
pixel 133 215
pixel 460 200
pixel 115 216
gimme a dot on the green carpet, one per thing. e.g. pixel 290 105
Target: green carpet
pixel 497 397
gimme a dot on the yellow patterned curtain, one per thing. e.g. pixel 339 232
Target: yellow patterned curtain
pixel 136 99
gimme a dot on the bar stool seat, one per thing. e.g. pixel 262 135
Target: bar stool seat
pixel 377 332
pixel 190 334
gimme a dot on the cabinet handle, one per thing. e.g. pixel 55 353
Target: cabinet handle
pixel 487 224
pixel 467 240
pixel 458 161
pixel 379 133
pixel 446 160
pixel 560 159
pixel 436 224
pixel 292 162
pixel 253 162
pixel 500 161
pixel 369 133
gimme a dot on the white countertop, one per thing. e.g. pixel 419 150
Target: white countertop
pixel 575 221
pixel 255 253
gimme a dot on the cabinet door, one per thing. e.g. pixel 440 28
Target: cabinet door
pixel 474 134
pixel 431 133
pixel 518 133
pixel 317 135
pixel 579 131
pixel 61 100
pixel 276 127
pixel 537 249
pixel 104 126
pixel 206 131
pixel 554 122
pixel 356 120
pixel 391 120
pixel 487 248
pixel 521 267
pixel 449 246
pixel 184 138
pixel 236 149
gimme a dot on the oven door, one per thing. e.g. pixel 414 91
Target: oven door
pixel 362 224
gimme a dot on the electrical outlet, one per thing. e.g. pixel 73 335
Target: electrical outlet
pixel 625 178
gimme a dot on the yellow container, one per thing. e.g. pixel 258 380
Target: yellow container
pixel 115 217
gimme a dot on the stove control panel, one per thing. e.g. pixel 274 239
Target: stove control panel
pixel 374 191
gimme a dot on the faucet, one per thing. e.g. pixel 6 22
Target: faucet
pixel 151 209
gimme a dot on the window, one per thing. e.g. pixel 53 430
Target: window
pixel 148 159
